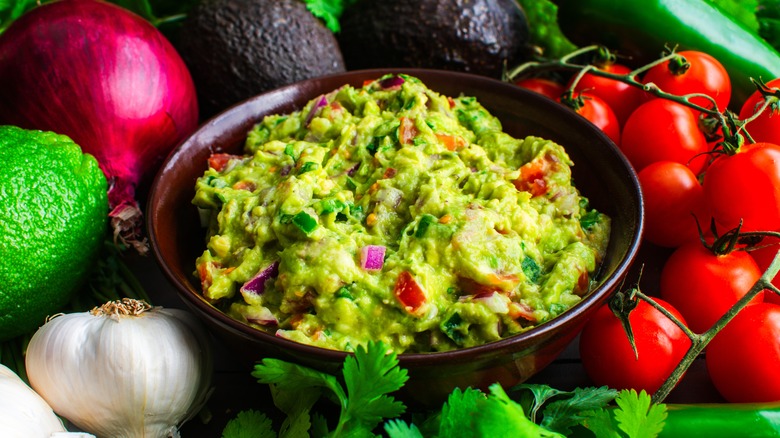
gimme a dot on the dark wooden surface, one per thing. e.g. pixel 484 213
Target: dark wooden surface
pixel 236 390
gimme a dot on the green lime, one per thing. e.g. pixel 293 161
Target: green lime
pixel 53 214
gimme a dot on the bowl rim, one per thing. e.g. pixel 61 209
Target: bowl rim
pixel 510 344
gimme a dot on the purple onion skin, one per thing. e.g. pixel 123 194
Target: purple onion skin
pixel 106 78
pixel 256 284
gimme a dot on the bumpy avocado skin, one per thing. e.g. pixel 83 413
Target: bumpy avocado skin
pixel 475 36
pixel 236 49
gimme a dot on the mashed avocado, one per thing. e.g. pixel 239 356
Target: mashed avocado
pixel 393 213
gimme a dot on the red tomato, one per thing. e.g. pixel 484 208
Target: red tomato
pixel 545 87
pixel 662 130
pixel 409 293
pixel 746 186
pixel 607 355
pixel 620 96
pixel 674 201
pixel 763 256
pixel 705 75
pixel 766 127
pixel 600 114
pixel 703 286
pixel 743 358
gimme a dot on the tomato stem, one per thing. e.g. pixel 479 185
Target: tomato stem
pixel 732 130
pixel 700 341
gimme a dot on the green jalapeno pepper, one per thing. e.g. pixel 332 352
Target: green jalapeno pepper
pixel 744 420
pixel 641 29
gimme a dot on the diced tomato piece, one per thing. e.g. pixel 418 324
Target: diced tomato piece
pixel 452 142
pixel 520 310
pixel 451 102
pixel 532 177
pixel 219 161
pixel 390 172
pixel 407 131
pixel 409 293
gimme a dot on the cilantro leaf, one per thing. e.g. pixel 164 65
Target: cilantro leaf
pixel 329 11
pixel 637 416
pixel 499 415
pixel 293 377
pixel 369 376
pixel 456 418
pixel 297 405
pixel 561 415
pixel 399 429
pixel 602 423
pixel 249 424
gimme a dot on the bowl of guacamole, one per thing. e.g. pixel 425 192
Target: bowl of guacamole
pixel 469 225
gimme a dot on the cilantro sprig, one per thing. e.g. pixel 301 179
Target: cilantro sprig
pixel 371 375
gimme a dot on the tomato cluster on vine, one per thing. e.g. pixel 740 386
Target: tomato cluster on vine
pixel 703 170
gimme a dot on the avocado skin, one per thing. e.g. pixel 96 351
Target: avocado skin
pixel 475 36
pixel 236 49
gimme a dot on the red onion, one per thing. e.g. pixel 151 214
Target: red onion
pixel 109 80
pixel 256 284
pixel 372 257
pixel 392 81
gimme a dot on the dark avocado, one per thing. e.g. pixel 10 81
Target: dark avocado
pixel 236 49
pixel 475 36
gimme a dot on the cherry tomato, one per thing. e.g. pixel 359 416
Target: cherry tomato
pixel 662 130
pixel 674 201
pixel 545 87
pixel 620 96
pixel 703 286
pixel 705 75
pixel 607 355
pixel 600 114
pixel 766 127
pixel 743 358
pixel 763 256
pixel 745 186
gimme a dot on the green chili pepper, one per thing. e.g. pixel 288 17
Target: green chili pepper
pixel 544 30
pixel 744 420
pixel 640 29
pixel 305 222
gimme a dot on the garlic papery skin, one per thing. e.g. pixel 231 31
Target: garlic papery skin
pixel 125 369
pixel 23 413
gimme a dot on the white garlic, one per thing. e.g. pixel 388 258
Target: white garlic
pixel 23 413
pixel 125 369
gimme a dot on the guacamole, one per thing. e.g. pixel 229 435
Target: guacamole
pixel 390 212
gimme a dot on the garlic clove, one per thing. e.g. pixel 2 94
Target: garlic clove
pixel 24 413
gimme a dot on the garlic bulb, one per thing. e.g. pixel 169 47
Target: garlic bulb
pixel 125 369
pixel 23 413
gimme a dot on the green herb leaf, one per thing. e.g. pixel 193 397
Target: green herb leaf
pixel 369 376
pixel 561 415
pixel 292 377
pixel 249 424
pixel 637 416
pixel 297 405
pixel 400 429
pixel 501 416
pixel 456 415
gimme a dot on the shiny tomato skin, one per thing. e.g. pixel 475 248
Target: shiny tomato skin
pixel 766 127
pixel 620 96
pixel 662 130
pixel 600 114
pixel 745 186
pixel 743 359
pixel 674 201
pixel 703 286
pixel 706 75
pixel 607 355
pixel 545 87
pixel 763 256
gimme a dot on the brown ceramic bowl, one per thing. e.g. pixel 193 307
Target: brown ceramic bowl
pixel 601 173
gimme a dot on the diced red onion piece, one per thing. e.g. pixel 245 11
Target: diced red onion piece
pixel 256 284
pixel 321 102
pixel 263 317
pixel 372 257
pixel 391 82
